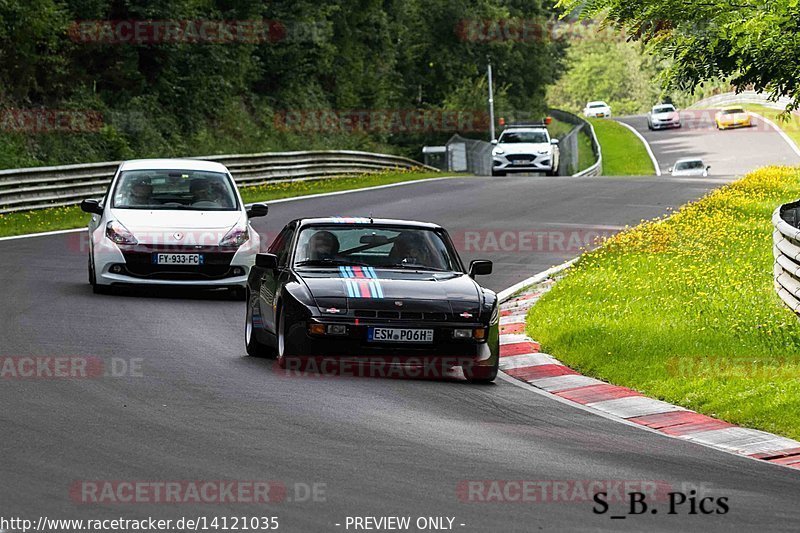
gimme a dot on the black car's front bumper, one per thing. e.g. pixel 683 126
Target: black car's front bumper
pixel 354 344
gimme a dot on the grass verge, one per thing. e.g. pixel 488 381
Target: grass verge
pixel 683 309
pixel 623 152
pixel 59 218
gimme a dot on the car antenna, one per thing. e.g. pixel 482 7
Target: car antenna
pixel 370 218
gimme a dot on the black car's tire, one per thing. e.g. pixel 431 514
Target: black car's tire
pixel 480 374
pixel 254 347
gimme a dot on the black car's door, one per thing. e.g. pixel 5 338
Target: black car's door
pixel 273 280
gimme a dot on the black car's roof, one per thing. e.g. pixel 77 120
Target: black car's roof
pixel 366 221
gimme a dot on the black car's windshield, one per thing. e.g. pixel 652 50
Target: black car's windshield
pixel 174 189
pixel 373 246
pixel 537 137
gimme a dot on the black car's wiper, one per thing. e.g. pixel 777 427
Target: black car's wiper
pixel 329 262
pixel 409 266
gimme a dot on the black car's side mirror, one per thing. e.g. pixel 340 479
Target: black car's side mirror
pixel 269 261
pixel 480 267
pixel 257 210
pixel 92 206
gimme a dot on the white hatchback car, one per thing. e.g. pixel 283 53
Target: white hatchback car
pixel 598 109
pixel 171 222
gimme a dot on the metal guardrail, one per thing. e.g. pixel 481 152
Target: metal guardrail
pixel 786 249
pixel 580 124
pixel 36 188
pixel 744 97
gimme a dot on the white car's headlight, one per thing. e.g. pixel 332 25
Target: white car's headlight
pixel 498 151
pixel 543 152
pixel 119 234
pixel 235 237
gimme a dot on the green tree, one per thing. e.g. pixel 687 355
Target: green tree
pixel 755 44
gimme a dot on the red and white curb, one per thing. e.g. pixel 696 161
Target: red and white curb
pixel 520 358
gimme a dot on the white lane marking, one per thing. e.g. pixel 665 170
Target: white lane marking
pixel 570 381
pixel 42 234
pixel 646 145
pixel 632 406
pixel 538 278
pixel 743 440
pixel 780 131
pixel 270 202
pixel 526 360
pixel 514 338
pixel 513 319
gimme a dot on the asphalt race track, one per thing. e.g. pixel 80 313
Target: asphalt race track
pixel 730 152
pixel 200 409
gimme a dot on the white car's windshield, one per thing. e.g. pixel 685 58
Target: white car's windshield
pixel 510 137
pixel 689 165
pixel 597 104
pixel 174 189
pixel 664 109
pixel 373 246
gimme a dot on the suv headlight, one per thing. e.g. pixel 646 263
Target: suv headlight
pixel 119 234
pixel 237 236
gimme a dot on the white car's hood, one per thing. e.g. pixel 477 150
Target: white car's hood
pixel 161 226
pixel 523 148
pixel 690 172
pixel 665 116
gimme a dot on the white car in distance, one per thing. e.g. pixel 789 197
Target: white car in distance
pixel 598 109
pixel 690 167
pixel 663 116
pixel 525 148
pixel 172 222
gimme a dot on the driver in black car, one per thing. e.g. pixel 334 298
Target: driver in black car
pixel 410 248
pixel 323 245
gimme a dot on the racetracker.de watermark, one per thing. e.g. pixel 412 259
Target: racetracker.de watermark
pixel 558 491
pixel 531 240
pixel 381 120
pixel 201 491
pixel 38 121
pixel 201 31
pixel 30 367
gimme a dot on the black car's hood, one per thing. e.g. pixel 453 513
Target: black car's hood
pixel 377 284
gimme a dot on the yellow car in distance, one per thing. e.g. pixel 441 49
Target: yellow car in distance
pixel 732 117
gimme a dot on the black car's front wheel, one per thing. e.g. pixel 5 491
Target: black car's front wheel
pixel 255 348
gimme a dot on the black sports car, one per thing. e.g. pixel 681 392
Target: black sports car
pixel 366 290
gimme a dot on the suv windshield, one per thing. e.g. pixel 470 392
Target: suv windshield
pixel 510 137
pixel 373 246
pixel 174 189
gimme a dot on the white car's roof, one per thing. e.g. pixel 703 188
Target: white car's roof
pixel 173 164
pixel 597 102
pixel 525 128
pixel 664 105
